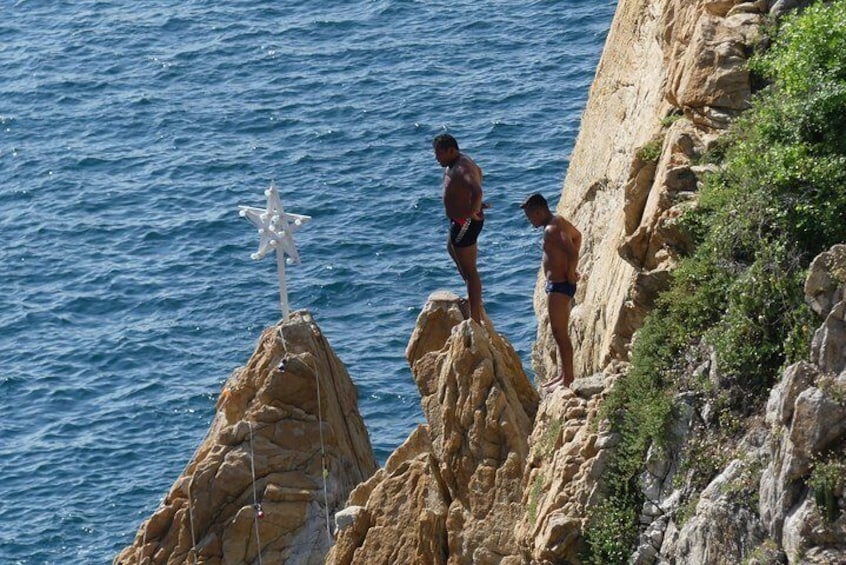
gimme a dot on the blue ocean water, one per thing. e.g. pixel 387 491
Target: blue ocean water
pixel 129 135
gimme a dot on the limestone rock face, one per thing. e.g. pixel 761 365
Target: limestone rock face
pixel 293 396
pixel 721 531
pixel 452 492
pixel 707 53
pixel 400 514
pixel 826 280
pixel 670 79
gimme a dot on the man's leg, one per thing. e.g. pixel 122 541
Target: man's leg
pixel 451 251
pixel 559 320
pixel 464 304
pixel 465 259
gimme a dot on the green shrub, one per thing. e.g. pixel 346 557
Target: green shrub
pixel 612 532
pixel 762 305
pixel 809 49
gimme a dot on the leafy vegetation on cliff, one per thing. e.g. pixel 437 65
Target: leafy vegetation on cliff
pixel 778 200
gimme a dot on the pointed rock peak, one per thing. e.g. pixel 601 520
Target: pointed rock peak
pixel 452 492
pixel 285 449
pixel 442 312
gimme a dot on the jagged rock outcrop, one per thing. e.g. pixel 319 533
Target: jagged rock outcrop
pixel 452 492
pixel 724 528
pixel 807 415
pixel 671 77
pixel 765 507
pixel 275 414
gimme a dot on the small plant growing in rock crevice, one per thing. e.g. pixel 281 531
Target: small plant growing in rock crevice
pixel 767 552
pixel 550 438
pixel 534 498
pixel 672 118
pixel 828 480
pixel 651 150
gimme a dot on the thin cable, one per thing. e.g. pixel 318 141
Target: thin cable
pixel 162 503
pixel 256 504
pixel 324 471
pixel 191 521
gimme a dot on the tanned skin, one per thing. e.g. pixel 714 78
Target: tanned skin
pixel 462 195
pixel 561 244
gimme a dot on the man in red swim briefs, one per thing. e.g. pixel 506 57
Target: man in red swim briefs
pixel 561 243
pixel 463 205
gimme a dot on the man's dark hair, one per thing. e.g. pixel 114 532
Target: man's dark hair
pixel 444 141
pixel 534 201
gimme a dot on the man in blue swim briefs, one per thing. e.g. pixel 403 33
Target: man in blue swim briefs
pixel 463 206
pixel 561 244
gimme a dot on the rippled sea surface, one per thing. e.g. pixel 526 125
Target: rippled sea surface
pixel 129 135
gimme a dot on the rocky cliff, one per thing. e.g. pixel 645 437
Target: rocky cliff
pixel 671 77
pixel 286 447
pixel 780 498
pixel 498 475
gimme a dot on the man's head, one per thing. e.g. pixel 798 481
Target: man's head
pixel 536 209
pixel 446 149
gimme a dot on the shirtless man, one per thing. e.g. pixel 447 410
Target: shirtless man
pixel 463 205
pixel 561 243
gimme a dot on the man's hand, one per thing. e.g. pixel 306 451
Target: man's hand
pixel 478 215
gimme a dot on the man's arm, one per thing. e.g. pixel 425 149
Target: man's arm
pixel 575 237
pixel 567 243
pixel 574 233
pixel 475 191
pixel 557 237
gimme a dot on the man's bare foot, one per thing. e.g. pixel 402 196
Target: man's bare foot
pixel 464 306
pixel 552 384
pixel 558 381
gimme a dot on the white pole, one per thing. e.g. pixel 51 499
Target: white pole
pixel 283 287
